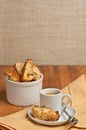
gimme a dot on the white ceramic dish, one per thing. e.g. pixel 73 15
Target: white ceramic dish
pixel 23 93
pixel 62 120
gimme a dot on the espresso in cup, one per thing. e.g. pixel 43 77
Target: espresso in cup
pixel 53 98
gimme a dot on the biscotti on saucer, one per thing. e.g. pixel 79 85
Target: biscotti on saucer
pixel 44 113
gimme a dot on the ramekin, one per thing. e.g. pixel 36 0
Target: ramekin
pixel 23 93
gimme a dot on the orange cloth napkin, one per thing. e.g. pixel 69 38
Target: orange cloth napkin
pixel 77 89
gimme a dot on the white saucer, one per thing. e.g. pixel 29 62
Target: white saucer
pixel 62 120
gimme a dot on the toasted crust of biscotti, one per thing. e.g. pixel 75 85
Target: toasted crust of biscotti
pixel 12 74
pixel 44 113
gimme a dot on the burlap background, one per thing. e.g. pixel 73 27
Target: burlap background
pixel 48 31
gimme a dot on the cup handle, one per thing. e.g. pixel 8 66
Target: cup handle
pixel 69 99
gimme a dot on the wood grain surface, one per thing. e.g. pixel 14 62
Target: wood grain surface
pixel 54 76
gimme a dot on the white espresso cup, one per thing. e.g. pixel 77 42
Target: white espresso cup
pixel 53 98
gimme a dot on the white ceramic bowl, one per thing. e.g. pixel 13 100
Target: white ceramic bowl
pixel 23 93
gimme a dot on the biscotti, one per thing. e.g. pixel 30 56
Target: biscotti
pixel 44 113
pixel 23 72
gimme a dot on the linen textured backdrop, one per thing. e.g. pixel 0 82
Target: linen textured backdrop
pixel 48 31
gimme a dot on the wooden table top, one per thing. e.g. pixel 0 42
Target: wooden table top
pixel 54 76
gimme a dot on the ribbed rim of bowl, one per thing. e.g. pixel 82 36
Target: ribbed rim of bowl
pixel 31 83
